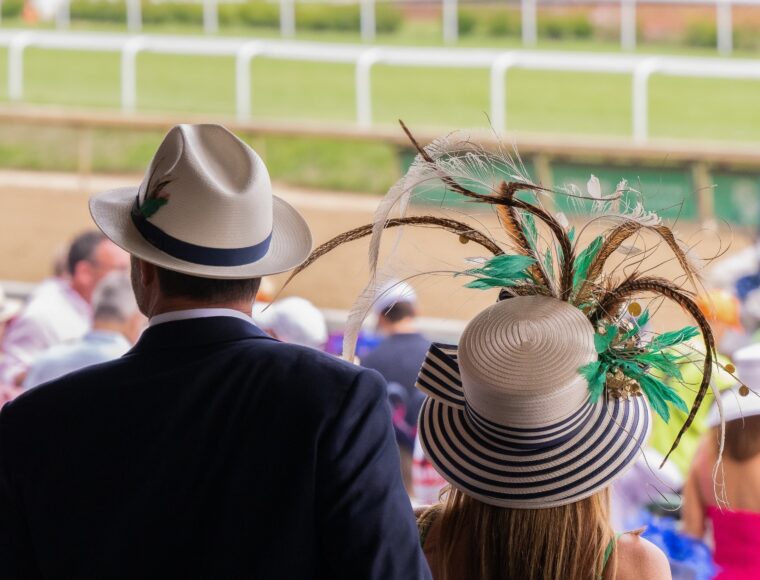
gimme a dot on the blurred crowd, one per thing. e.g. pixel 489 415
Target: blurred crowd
pixel 86 314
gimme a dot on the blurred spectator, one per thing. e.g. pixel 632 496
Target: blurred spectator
pixel 59 310
pixel 723 309
pixel 293 320
pixel 735 526
pixel 60 259
pixel 743 265
pixel 399 358
pixel 427 483
pixel 117 324
pixel 8 309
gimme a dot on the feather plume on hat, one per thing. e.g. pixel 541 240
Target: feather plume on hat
pixel 629 363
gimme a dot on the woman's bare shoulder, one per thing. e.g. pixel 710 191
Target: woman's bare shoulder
pixel 638 558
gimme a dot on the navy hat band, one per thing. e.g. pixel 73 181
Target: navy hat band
pixel 193 253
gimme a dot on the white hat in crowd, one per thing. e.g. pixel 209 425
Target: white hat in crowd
pixel 294 320
pixel 205 208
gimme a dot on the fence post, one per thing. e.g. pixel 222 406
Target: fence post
pixel 246 53
pixel 725 27
pixel 134 15
pixel 529 22
pixel 16 64
pixel 450 13
pixel 287 18
pixel 364 65
pixel 129 73
pixel 628 24
pixel 499 69
pixel 210 16
pixel 367 20
pixel 641 75
pixel 63 15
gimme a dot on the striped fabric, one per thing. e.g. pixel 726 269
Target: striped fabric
pixel 524 468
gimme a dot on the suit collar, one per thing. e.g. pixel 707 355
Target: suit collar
pixel 196 332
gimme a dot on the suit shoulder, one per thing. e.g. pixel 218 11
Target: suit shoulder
pixel 300 365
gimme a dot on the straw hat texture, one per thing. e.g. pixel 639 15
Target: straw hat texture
pixel 508 418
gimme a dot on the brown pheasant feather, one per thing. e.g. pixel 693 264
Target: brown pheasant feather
pixel 617 237
pixel 453 226
pixel 510 221
pixel 613 300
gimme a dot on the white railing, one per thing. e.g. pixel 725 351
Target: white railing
pixel 450 18
pixel 364 59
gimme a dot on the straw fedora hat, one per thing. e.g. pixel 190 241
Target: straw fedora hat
pixel 508 418
pixel 205 208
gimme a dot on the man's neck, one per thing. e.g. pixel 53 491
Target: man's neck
pixel 405 326
pixel 176 304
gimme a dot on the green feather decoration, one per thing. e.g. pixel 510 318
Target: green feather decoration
pixel 528 225
pixel 595 374
pixel 638 326
pixel 584 260
pixel 548 263
pixel 635 360
pixel 602 342
pixel 152 205
pixel 668 339
pixel 501 271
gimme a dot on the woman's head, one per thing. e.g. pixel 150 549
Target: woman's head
pixel 489 542
pixel 510 419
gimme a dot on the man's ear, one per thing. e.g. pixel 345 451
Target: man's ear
pixel 148 272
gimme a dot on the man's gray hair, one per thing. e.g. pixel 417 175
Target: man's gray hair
pixel 113 298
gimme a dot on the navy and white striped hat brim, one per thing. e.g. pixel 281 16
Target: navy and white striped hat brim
pixel 524 468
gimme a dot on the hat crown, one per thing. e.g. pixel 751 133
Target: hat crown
pixel 519 361
pixel 216 189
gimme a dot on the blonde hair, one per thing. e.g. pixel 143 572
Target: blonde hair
pixel 500 543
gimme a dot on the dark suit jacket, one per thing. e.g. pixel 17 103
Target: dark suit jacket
pixel 208 451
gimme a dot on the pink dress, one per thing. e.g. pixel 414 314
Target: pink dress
pixel 737 543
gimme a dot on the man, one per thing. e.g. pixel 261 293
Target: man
pixel 116 326
pixel 59 310
pixel 210 450
pixel 399 358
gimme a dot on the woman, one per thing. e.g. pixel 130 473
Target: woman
pixel 509 424
pixel 546 399
pixel 735 524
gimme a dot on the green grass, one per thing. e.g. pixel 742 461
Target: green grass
pixel 433 98
pixel 537 101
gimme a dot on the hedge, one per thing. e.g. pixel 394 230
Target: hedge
pixel 247 14
pixel 502 23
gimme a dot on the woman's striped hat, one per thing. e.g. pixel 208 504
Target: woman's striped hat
pixel 508 419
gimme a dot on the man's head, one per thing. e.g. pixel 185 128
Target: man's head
pixel 115 308
pixel 396 308
pixel 159 290
pixel 206 209
pixel 91 257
